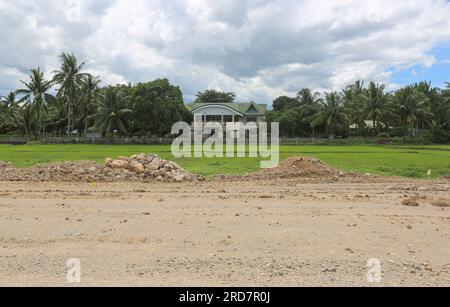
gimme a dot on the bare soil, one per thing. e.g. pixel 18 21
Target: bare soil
pixel 309 230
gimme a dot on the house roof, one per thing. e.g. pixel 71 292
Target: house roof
pixel 247 109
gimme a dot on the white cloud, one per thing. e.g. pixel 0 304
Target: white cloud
pixel 258 48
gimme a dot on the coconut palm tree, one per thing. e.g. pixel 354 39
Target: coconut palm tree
pixel 307 97
pixel 354 104
pixel 411 106
pixel 309 104
pixel 35 94
pixel 376 106
pixel 8 105
pixel 89 89
pixel 111 112
pixel 69 77
pixel 9 100
pixel 331 115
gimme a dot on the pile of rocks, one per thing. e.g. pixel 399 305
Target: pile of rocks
pixel 142 167
pixel 151 166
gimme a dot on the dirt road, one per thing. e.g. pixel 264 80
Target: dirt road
pixel 234 233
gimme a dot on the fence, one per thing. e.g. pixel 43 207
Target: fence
pixel 159 141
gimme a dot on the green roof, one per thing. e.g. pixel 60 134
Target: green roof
pixel 247 109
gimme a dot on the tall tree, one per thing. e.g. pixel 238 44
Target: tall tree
pixel 307 97
pixel 157 106
pixel 89 88
pixel 309 105
pixel 36 95
pixel 283 103
pixel 354 104
pixel 69 77
pixel 214 96
pixel 434 103
pixel 411 106
pixel 112 110
pixel 376 106
pixel 331 115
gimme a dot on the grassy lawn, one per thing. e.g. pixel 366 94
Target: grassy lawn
pixel 407 161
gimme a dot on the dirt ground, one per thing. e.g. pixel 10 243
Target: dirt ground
pixel 278 232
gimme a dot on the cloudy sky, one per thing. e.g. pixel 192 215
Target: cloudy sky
pixel 259 49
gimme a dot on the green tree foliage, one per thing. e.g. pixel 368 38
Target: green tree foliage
pixel 70 78
pixel 8 116
pixel 209 96
pixel 412 107
pixel 86 101
pixel 35 101
pixel 112 111
pixel 376 107
pixel 283 103
pixel 157 105
pixel 331 115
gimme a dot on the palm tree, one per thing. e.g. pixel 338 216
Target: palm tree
pixel 89 88
pixel 331 114
pixel 36 95
pixel 111 112
pixel 376 106
pixel 446 106
pixel 8 105
pixel 9 100
pixel 70 78
pixel 307 97
pixel 412 108
pixel 309 105
pixel 435 103
pixel 354 104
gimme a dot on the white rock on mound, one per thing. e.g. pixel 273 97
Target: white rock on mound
pixel 121 164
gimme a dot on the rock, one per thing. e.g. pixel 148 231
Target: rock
pixel 123 158
pixel 119 164
pixel 108 162
pixel 154 165
pixel 178 177
pixel 137 168
pixel 142 156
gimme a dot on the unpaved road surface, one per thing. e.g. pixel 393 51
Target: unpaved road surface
pixel 232 233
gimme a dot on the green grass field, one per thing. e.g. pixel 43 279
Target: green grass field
pixel 408 161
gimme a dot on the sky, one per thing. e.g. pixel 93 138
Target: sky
pixel 259 49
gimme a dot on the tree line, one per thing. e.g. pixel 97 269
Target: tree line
pixel 368 111
pixel 72 102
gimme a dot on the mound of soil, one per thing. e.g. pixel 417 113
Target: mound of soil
pixel 143 168
pixel 305 170
pixel 300 167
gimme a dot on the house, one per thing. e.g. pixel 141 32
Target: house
pixel 228 112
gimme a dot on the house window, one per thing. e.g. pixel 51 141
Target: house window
pixel 213 118
pixel 228 118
